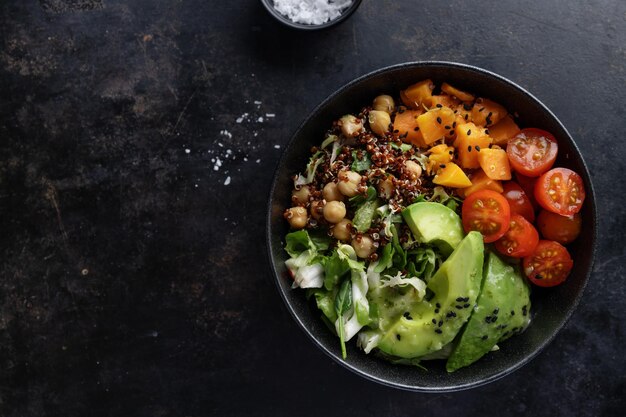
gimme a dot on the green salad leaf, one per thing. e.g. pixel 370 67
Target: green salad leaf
pixel 343 302
pixel 360 164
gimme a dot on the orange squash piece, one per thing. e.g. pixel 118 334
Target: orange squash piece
pixel 414 95
pixel 455 92
pixel 443 100
pixel 487 112
pixel 439 155
pixel 495 163
pixel 480 181
pixel 406 125
pixel 470 139
pixel 435 123
pixel 504 130
pixel 452 176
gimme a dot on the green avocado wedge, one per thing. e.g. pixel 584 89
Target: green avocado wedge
pixel 435 224
pixel 427 326
pixel 502 310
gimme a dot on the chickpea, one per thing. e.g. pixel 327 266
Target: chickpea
pixel 349 182
pixel 350 125
pixel 334 211
pixel 341 230
pixel 296 216
pixel 363 247
pixel 384 103
pixel 317 208
pixel 302 195
pixel 413 168
pixel 379 121
pixel 331 192
pixel 386 187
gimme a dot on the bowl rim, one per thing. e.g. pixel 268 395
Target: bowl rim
pixel 590 197
pixel 268 4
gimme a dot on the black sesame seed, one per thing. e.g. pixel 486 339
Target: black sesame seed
pixel 466 305
pixel 512 312
pixel 416 129
pixel 439 120
pixel 481 109
pixel 525 310
pixel 489 115
pixel 459 307
pixel 442 165
pixel 486 133
pixel 447 127
pixel 466 299
pixel 469 132
pixel 459 299
pixel 398 337
pixel 451 152
pixel 484 337
pixel 454 124
pixel 477 148
pixel 538 276
pixel 488 319
pixel 440 323
pixel 469 148
pixel 466 116
pixel 436 311
pixel 438 305
pixel 396 131
pixel 439 105
pixel 434 321
pixel 438 331
pixel 407 316
pixel 496 311
pixel 467 106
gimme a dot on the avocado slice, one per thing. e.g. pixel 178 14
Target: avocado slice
pixel 502 310
pixel 427 326
pixel 435 224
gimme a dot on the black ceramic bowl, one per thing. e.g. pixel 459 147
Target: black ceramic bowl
pixel 269 5
pixel 551 307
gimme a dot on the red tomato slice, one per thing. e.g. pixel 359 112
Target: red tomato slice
pixel 532 152
pixel 562 229
pixel 560 191
pixel 520 240
pixel 518 200
pixel 549 265
pixel 488 212
pixel 528 185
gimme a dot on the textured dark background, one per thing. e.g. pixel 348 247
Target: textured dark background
pixel 134 282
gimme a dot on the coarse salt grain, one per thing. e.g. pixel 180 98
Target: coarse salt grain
pixel 227 181
pixel 311 12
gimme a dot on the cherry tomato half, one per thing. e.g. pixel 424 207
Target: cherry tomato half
pixel 520 240
pixel 528 185
pixel 488 212
pixel 549 265
pixel 532 152
pixel 518 200
pixel 560 191
pixel 562 229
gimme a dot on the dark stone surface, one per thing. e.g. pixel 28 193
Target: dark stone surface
pixel 135 282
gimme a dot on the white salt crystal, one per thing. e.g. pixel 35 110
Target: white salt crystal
pixel 311 12
pixel 227 181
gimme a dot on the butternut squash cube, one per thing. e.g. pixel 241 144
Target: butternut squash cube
pixel 504 130
pixel 435 123
pixel 452 176
pixel 406 125
pixel 455 92
pixel 443 100
pixel 480 181
pixel 439 155
pixel 487 113
pixel 470 139
pixel 495 163
pixel 414 95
